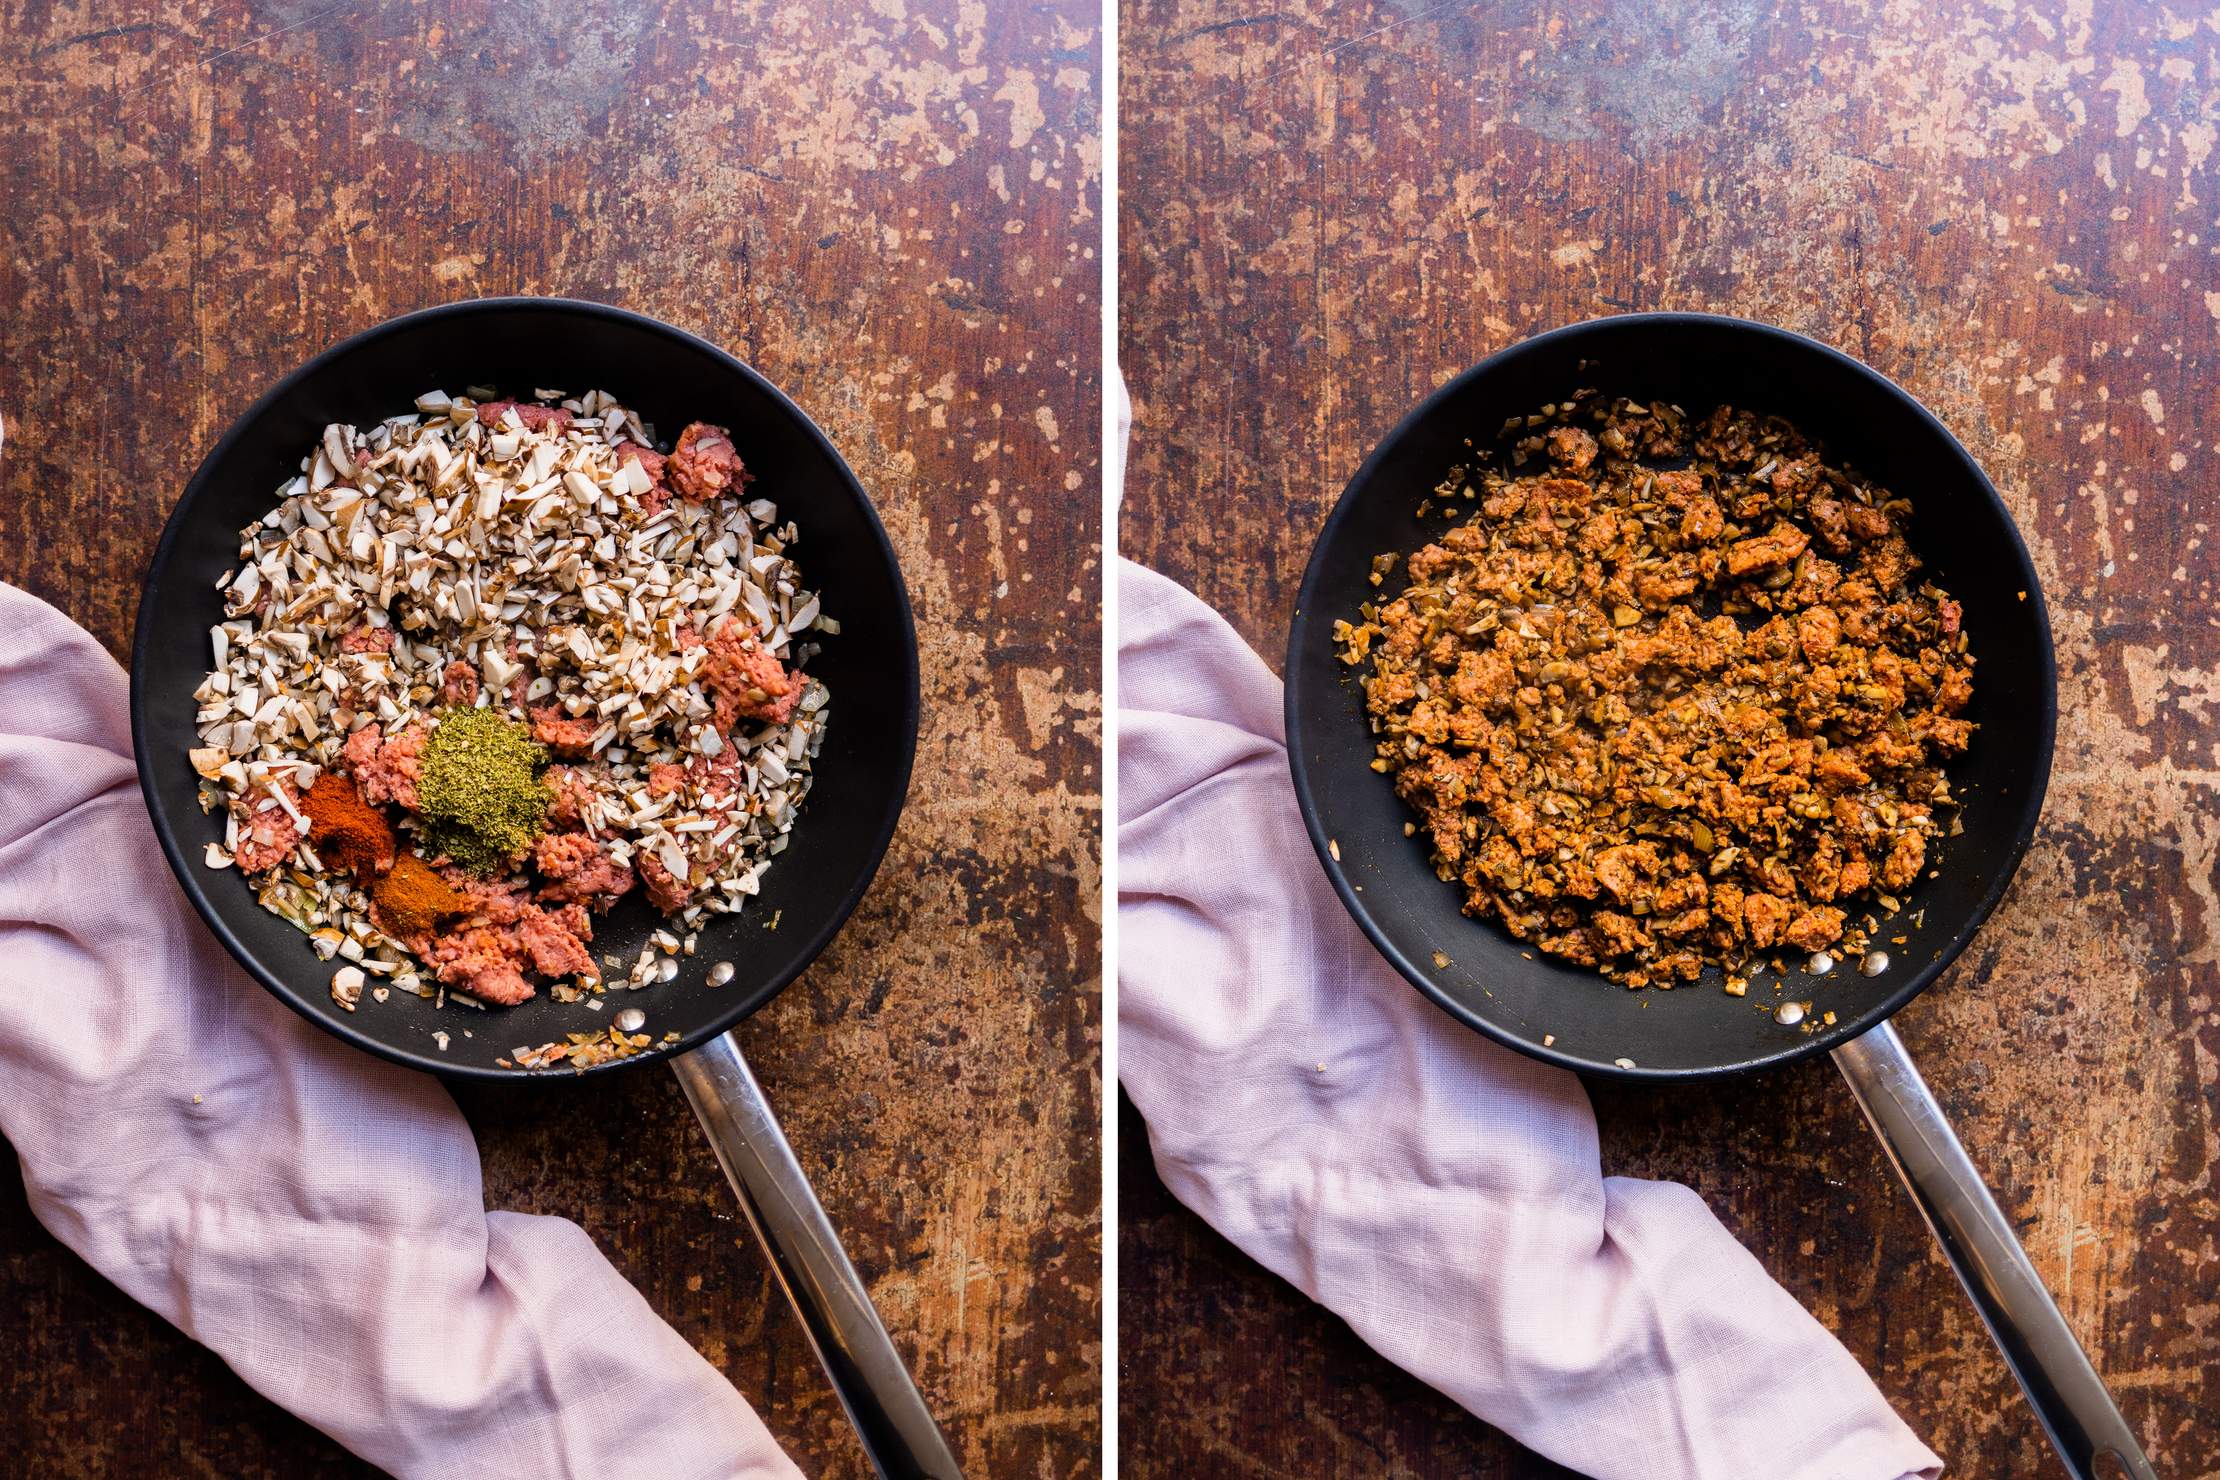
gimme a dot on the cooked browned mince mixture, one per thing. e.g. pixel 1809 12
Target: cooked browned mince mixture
pixel 1669 692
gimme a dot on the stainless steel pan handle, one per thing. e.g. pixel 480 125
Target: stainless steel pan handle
pixel 874 1385
pixel 2064 1390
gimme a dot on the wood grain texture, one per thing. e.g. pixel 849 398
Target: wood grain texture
pixel 1330 206
pixel 893 211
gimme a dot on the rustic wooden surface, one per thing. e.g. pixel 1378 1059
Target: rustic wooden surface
pixel 894 212
pixel 1328 206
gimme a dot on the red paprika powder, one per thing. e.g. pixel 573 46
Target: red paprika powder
pixel 348 834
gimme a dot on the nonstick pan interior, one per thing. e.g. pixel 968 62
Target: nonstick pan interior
pixel 517 345
pixel 1569 1015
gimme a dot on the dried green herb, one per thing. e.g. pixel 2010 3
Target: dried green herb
pixel 481 795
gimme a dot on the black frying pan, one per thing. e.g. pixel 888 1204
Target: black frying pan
pixel 517 345
pixel 1572 1017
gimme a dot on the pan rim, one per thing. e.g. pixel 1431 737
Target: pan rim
pixel 188 873
pixel 1304 630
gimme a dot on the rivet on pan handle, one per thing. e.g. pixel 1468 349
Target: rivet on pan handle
pixel 2064 1390
pixel 874 1385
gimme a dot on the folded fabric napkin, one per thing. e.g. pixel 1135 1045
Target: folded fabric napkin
pixel 311 1213
pixel 1438 1192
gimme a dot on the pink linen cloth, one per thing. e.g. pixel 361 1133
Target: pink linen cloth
pixel 312 1214
pixel 1438 1192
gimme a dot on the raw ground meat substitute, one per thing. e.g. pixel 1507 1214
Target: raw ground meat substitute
pixel 1668 692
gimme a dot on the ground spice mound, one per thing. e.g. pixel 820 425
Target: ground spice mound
pixel 1668 693
pixel 412 899
pixel 481 795
pixel 348 834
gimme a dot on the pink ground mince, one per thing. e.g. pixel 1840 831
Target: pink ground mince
pixel 739 670
pixel 488 954
pixel 579 871
pixel 538 418
pixel 650 461
pixel 565 738
pixel 458 684
pixel 387 770
pixel 665 890
pixel 658 495
pixel 266 837
pixel 574 789
pixel 705 464
pixel 717 774
pixel 367 639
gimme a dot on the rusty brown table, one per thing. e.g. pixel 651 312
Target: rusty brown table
pixel 1329 207
pixel 897 220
